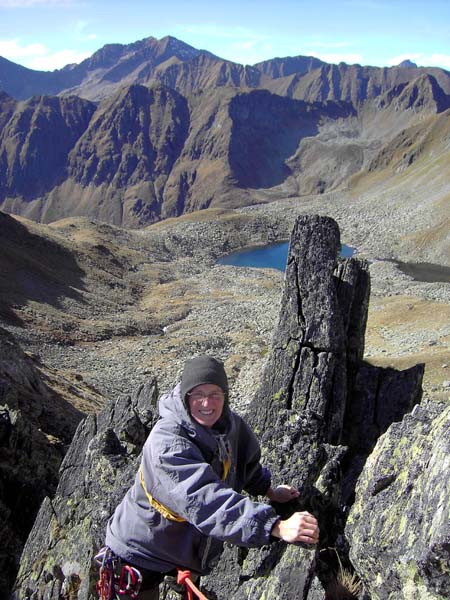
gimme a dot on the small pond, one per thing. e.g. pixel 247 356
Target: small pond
pixel 427 272
pixel 268 257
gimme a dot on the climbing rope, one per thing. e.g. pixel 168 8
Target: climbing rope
pixel 192 591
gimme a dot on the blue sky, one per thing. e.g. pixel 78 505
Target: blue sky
pixel 48 34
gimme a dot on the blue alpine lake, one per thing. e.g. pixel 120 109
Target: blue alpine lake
pixel 268 257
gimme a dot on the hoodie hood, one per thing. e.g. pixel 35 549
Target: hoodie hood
pixel 171 406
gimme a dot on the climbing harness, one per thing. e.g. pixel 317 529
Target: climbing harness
pixel 116 579
pixel 191 590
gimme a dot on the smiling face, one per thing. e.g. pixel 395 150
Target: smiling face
pixel 206 403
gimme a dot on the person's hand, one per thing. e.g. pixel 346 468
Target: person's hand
pixel 300 527
pixel 282 493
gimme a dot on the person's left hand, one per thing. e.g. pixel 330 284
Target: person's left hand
pixel 282 493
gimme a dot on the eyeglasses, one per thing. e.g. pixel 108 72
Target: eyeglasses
pixel 203 396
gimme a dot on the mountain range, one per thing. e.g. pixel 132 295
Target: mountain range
pixel 157 128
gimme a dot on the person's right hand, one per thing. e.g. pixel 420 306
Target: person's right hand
pixel 300 527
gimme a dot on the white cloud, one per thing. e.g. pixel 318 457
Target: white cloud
pixel 57 60
pixel 440 60
pixel 12 50
pixel 38 56
pixel 31 3
pixel 422 59
pixel 335 57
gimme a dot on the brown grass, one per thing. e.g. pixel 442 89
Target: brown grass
pixel 393 325
pixel 346 586
pixel 199 216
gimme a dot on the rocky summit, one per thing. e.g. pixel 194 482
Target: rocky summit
pixel 329 422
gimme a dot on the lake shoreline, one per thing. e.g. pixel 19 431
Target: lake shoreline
pixel 268 256
pixel 274 256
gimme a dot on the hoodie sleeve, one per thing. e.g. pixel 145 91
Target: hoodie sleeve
pixel 183 481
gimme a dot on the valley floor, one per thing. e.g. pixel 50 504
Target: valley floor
pixel 196 305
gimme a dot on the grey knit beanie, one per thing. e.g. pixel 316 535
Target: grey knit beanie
pixel 203 369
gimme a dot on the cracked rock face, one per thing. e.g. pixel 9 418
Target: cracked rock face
pixel 399 526
pixel 320 331
pixel 299 409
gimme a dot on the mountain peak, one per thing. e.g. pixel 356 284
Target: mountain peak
pixel 407 63
pixel 167 45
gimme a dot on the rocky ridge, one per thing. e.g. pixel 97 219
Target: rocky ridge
pixel 402 480
pixel 312 403
pixel 94 476
pixel 164 129
pixel 186 69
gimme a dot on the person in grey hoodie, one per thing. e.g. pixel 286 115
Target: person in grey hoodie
pixel 186 499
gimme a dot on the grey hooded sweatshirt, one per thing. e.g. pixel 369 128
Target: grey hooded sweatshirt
pixel 182 465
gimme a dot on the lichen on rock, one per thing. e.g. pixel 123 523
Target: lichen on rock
pixel 399 526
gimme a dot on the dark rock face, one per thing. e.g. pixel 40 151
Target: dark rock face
pixel 151 124
pixel 355 83
pixel 371 409
pixel 423 91
pixel 307 405
pixel 96 472
pixel 291 65
pixel 36 141
pixel 7 107
pixel 131 144
pixel 267 130
pixel 299 409
pixel 304 408
pixel 308 360
pixel 148 153
pixel 35 427
pixel 315 396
